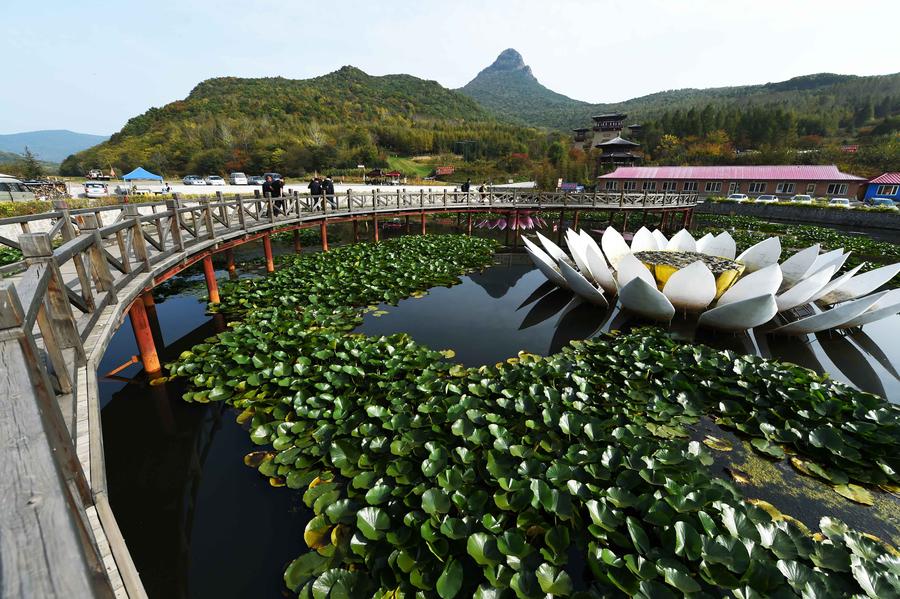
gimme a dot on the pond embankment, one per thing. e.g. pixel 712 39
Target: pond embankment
pixel 806 214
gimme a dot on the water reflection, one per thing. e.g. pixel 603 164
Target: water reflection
pixel 510 306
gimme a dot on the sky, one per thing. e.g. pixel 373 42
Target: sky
pixel 90 65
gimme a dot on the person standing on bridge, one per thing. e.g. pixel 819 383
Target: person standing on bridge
pixel 273 188
pixel 328 190
pixel 315 190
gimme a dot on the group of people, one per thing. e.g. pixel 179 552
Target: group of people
pixel 322 187
pixel 318 188
pixel 467 187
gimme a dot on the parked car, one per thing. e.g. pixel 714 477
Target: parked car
pixel 11 189
pixel 883 203
pixel 237 179
pixel 766 199
pixel 737 197
pixel 93 189
pixel 256 180
pixel 802 199
pixel 214 180
pixel 97 175
pixel 193 180
pixel 839 202
pixel 275 176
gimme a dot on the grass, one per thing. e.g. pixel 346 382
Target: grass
pixel 410 167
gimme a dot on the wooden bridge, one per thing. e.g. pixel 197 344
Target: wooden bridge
pixel 82 272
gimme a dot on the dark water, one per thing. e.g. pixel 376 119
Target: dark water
pixel 201 524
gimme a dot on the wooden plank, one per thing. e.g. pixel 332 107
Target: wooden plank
pixel 45 550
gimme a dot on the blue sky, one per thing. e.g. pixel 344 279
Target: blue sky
pixel 90 65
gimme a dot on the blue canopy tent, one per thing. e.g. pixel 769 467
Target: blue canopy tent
pixel 140 174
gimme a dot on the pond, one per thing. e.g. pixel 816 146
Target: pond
pixel 181 493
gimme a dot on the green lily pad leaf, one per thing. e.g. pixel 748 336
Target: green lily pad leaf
pixel 638 535
pixel 687 541
pixel 677 575
pixel 512 542
pixel 450 581
pixel 372 522
pixel 768 448
pixel 335 584
pixel 378 494
pixel 717 443
pixel 317 533
pixel 304 568
pixel 553 581
pixel 435 501
pixel 483 549
pixel 454 528
pixel 855 493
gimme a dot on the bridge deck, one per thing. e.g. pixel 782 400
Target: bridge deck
pixel 59 308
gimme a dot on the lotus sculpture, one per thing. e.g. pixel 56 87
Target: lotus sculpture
pixel 655 277
pixel 523 220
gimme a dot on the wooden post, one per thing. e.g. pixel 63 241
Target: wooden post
pixel 506 234
pixel 423 223
pixel 577 215
pixel 212 286
pixel 99 265
pixel 469 224
pixel 297 246
pixel 68 233
pixel 267 250
pixel 229 261
pixel 153 318
pixel 175 222
pixel 323 231
pixel 375 226
pixel 407 224
pixel 144 337
pixel 684 219
pixel 355 231
pixel 624 221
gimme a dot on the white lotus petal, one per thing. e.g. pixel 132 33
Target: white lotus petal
pixel 828 258
pixel 546 265
pixel 887 305
pixel 600 269
pixel 630 268
pixel 704 241
pixel 661 241
pixel 830 318
pixel 758 256
pixel 645 299
pixel 763 281
pixel 643 241
pixel 802 292
pixel 614 246
pixel 582 286
pixel 691 288
pixel 723 246
pixel 682 241
pixel 553 250
pixel 835 283
pixel 795 268
pixel 576 246
pixel 589 240
pixel 741 315
pixel 860 285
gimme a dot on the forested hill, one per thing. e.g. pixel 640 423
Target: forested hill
pixel 509 88
pixel 338 120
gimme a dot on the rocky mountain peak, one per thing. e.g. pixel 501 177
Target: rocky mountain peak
pixel 508 61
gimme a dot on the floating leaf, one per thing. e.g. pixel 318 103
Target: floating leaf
pixel 855 493
pixel 717 443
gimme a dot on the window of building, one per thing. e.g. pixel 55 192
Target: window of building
pixel 713 187
pixel 629 185
pixel 612 185
pixel 810 188
pixel 784 188
pixel 757 187
pixel 887 190
pixel 689 186
pixel 668 186
pixel 837 189
pixel 648 186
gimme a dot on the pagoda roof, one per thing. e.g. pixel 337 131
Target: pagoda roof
pixel 617 141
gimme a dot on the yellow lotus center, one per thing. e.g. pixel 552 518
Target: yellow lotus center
pixel 663 264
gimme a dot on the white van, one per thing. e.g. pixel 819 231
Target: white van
pixel 13 190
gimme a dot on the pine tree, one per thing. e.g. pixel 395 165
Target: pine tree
pixel 29 166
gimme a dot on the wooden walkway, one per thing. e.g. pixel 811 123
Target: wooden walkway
pixel 59 308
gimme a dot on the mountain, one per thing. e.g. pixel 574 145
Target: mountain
pixel 52 145
pixel 508 88
pixel 337 120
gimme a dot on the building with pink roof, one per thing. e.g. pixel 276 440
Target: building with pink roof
pixel 783 181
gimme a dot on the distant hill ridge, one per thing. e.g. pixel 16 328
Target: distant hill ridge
pixel 49 145
pixel 509 88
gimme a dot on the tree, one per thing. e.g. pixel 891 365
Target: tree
pixel 29 166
